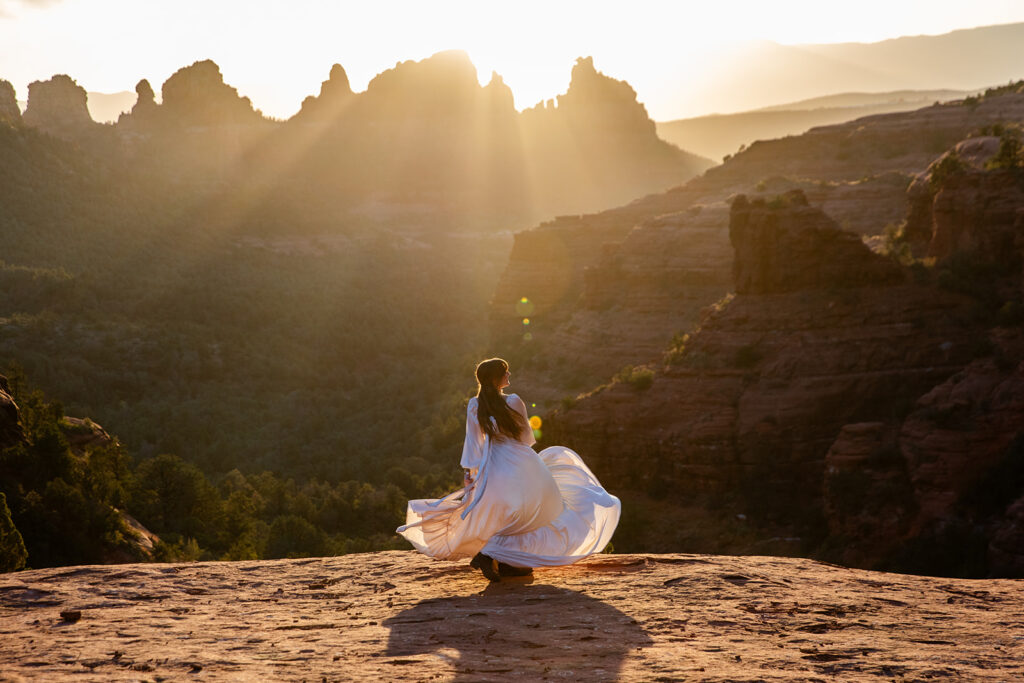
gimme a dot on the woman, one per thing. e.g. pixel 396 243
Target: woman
pixel 518 509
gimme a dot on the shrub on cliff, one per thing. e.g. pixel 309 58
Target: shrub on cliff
pixel 1010 154
pixel 639 378
pixel 949 166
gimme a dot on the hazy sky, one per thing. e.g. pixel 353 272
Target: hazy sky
pixel 278 52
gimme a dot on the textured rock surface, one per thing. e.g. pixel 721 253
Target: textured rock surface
pixel 762 390
pixel 973 211
pixel 399 616
pixel 58 106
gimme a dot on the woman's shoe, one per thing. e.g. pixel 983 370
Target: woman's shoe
pixel 509 570
pixel 486 564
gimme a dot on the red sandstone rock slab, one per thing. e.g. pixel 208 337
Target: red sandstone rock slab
pixel 398 616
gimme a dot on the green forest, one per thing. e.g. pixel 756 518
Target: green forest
pixel 279 382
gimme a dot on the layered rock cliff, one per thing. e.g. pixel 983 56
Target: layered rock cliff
pixel 858 172
pixel 801 403
pixel 400 616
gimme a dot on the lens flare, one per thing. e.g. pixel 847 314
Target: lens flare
pixel 526 321
pixel 535 422
pixel 527 337
pixel 524 307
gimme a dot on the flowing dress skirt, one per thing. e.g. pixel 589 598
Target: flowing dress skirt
pixel 524 508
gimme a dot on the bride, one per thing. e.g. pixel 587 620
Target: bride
pixel 519 509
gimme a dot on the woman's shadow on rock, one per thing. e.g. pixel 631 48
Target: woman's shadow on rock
pixel 534 631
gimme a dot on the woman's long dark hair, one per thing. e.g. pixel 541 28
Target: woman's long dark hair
pixel 491 402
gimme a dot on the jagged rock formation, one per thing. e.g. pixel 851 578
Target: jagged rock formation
pixel 145 111
pixel 197 95
pixel 335 97
pixel 425 142
pixel 58 106
pixel 10 113
pixel 403 617
pixel 598 130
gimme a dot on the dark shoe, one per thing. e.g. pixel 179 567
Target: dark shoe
pixel 509 570
pixel 485 564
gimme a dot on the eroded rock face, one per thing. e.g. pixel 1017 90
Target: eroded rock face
pixel 9 111
pixel 788 399
pixel 58 106
pixel 943 484
pixel 788 245
pixel 979 212
pixel 862 187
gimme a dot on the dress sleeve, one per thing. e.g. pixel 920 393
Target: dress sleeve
pixel 473 448
pixel 517 404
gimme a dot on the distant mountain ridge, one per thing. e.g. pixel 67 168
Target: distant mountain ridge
pixel 718 135
pixel 867 99
pixel 766 73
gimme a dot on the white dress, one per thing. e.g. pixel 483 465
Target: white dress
pixel 524 508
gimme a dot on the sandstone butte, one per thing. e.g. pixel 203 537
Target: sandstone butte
pixel 398 616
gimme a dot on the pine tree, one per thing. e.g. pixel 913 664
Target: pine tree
pixel 12 546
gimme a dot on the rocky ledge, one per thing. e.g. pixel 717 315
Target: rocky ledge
pixel 400 616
